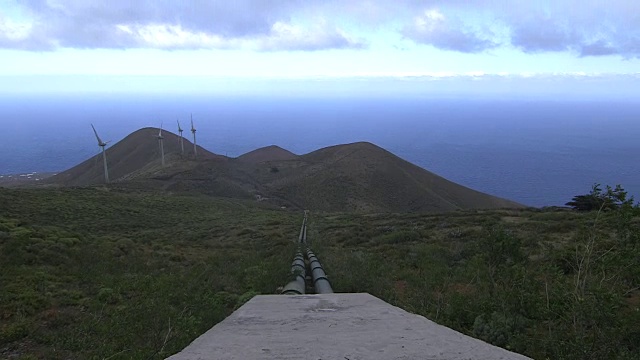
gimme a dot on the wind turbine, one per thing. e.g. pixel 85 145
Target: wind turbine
pixel 102 144
pixel 161 143
pixel 193 131
pixel 181 139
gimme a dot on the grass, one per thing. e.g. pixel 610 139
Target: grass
pixel 95 274
pixel 101 273
pixel 551 285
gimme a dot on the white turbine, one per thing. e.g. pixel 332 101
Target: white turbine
pixel 161 143
pixel 181 139
pixel 102 144
pixel 193 131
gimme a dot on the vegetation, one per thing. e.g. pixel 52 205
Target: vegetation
pixel 551 284
pixel 611 199
pixel 96 273
pixel 353 177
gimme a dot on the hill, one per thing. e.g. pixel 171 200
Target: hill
pixel 267 153
pixel 352 177
pixel 138 152
pixel 364 177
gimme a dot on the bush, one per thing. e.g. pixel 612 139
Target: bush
pixel 611 199
pixel 497 328
pixel 109 296
pixel 399 237
pixel 244 298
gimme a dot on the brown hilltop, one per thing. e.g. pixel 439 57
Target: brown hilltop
pixel 365 177
pixel 137 152
pixel 267 153
pixel 352 177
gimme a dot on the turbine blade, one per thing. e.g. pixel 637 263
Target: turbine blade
pixel 97 137
pixel 192 128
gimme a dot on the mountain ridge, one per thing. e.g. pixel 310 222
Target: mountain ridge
pixel 359 176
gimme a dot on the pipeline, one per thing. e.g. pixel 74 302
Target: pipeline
pixel 299 271
pixel 303 230
pixel 321 283
pixel 304 237
pixel 298 267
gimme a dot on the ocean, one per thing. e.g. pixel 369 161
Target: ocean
pixel 539 152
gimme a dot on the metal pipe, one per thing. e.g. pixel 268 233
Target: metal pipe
pixel 298 267
pixel 301 238
pixel 304 237
pixel 297 286
pixel 320 280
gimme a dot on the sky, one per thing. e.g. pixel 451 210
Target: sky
pixel 494 46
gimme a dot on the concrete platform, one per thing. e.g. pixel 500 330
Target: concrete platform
pixel 333 326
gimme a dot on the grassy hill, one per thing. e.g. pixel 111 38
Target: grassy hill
pixel 364 177
pixel 135 274
pixel 137 154
pixel 352 177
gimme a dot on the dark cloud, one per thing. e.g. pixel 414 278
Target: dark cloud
pixel 598 48
pixel 581 40
pixel 582 27
pixel 585 28
pixel 542 35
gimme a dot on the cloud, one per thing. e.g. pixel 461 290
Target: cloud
pixel 12 32
pixel 290 37
pixel 281 36
pixel 194 24
pixel 164 36
pixel 433 28
pixel 581 27
pixel 542 35
pixel 584 28
pixel 598 48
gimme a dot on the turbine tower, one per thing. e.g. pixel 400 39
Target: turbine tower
pixel 181 139
pixel 102 144
pixel 193 131
pixel 161 143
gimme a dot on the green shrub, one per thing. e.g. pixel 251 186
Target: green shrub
pixel 244 298
pixel 109 296
pixel 15 330
pixel 498 328
pixel 399 237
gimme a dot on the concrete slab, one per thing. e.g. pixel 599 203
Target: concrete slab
pixel 333 326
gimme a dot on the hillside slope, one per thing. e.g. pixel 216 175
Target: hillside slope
pixel 365 177
pixel 137 152
pixel 353 177
pixel 95 272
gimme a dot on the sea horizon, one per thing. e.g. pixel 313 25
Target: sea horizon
pixel 539 152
